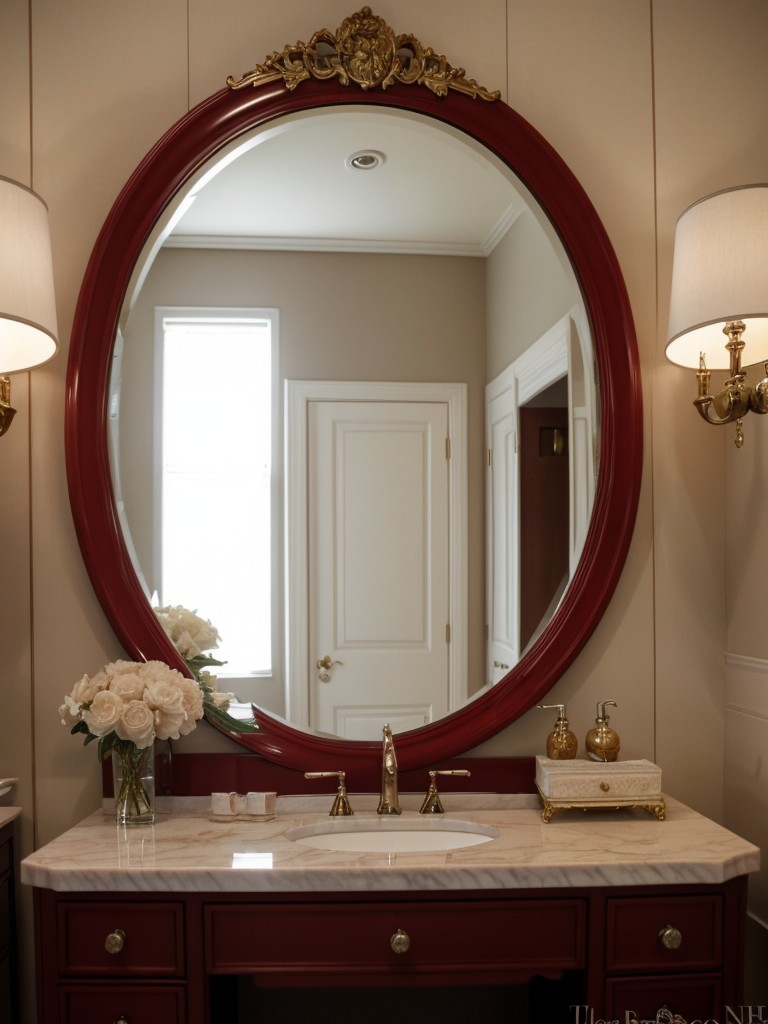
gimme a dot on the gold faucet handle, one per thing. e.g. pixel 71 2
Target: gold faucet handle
pixel 341 807
pixel 432 803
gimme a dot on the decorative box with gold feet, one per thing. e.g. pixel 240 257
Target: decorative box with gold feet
pixel 594 784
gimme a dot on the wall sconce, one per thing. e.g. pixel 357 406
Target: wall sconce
pixel 720 287
pixel 28 331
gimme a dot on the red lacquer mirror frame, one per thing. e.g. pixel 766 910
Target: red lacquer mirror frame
pixel 176 158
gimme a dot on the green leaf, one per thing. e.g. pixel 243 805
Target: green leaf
pixel 201 660
pixel 225 721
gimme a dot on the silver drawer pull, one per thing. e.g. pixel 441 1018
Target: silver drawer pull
pixel 400 941
pixel 670 937
pixel 115 941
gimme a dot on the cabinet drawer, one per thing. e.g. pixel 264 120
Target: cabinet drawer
pixel 441 938
pixel 134 1004
pixel 5 857
pixel 694 998
pixel 636 927
pixel 152 939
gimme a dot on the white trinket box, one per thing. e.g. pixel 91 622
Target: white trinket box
pixel 588 784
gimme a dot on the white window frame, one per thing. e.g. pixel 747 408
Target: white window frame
pixel 163 313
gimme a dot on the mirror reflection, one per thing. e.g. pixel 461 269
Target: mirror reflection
pixel 353 418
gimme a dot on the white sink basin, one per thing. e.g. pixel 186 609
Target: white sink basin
pixel 391 835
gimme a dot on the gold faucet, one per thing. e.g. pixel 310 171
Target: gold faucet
pixel 432 803
pixel 389 802
pixel 340 806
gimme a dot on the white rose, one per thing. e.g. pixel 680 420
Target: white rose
pixel 221 700
pixel 128 685
pixel 116 668
pixel 85 689
pixel 69 707
pixel 169 725
pixel 137 724
pixel 186 645
pixel 191 634
pixel 167 702
pixel 158 671
pixel 163 696
pixel 104 712
pixel 193 705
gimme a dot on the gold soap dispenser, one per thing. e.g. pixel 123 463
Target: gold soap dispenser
pixel 561 742
pixel 602 741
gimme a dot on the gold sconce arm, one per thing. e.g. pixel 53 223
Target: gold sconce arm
pixel 736 398
pixel 759 398
pixel 7 412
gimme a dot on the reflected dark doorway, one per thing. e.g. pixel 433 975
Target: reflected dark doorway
pixel 544 511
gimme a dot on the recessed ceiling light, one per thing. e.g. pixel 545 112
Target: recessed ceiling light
pixel 365 160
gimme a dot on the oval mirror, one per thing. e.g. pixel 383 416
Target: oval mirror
pixel 158 229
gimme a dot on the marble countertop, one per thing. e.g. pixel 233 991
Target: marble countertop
pixel 186 851
pixel 8 814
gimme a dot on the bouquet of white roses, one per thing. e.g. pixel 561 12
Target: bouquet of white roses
pixel 134 702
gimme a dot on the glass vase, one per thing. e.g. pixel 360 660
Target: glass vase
pixel 133 773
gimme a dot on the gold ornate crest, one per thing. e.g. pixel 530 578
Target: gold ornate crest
pixel 366 52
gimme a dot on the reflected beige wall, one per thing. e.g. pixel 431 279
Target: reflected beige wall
pixel 530 289
pixel 647 104
pixel 343 316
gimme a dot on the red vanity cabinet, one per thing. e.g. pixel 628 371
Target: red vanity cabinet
pixel 8 953
pixel 682 949
pixel 621 948
pixel 113 958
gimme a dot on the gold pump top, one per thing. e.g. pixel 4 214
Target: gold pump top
pixel 561 742
pixel 601 706
pixel 560 708
pixel 602 742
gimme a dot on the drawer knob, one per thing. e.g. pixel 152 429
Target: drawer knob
pixel 400 941
pixel 115 941
pixel 670 937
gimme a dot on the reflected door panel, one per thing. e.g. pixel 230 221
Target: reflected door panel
pixel 378 572
pixel 502 549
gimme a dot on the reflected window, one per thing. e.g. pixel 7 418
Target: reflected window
pixel 218 493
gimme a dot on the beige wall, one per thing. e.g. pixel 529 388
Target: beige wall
pixel 652 104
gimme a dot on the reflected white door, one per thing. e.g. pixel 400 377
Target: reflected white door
pixel 378 547
pixel 502 549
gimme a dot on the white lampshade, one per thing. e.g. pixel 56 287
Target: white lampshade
pixel 720 273
pixel 28 330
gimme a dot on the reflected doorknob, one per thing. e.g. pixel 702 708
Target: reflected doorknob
pixel 324 668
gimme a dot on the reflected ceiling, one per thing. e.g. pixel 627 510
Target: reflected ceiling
pixel 414 201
